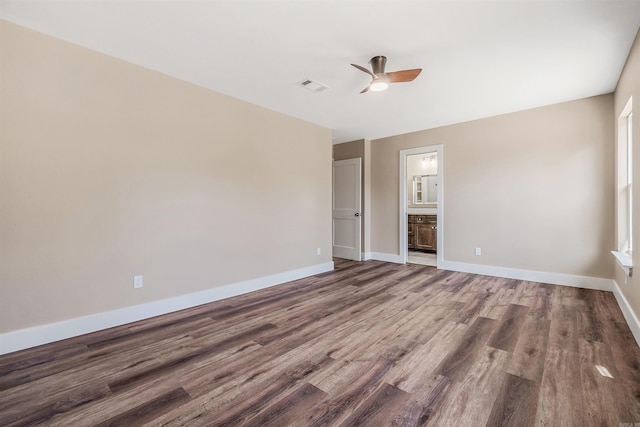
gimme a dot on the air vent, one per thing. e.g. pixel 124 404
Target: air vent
pixel 313 85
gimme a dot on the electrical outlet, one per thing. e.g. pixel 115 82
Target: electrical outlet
pixel 137 281
pixel 318 251
pixel 478 251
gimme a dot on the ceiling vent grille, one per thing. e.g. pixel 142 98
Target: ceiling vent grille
pixel 313 85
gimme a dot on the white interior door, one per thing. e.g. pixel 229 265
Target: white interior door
pixel 346 209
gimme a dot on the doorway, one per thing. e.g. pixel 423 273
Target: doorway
pixel 421 205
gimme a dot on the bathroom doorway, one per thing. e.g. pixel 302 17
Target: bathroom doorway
pixel 421 205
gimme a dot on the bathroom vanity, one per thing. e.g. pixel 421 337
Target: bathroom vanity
pixel 422 232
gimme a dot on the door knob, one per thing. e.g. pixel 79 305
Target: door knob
pixel 357 214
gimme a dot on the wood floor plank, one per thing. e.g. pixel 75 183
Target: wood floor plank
pixel 598 376
pixel 59 385
pixel 515 404
pixel 426 400
pixel 497 304
pixel 469 400
pixel 508 331
pixel 422 324
pixel 527 360
pixel 605 305
pixel 39 412
pixel 239 339
pixel 558 399
pixel 457 364
pixel 148 411
pixel 524 292
pixel 369 334
pixel 370 343
pixel 469 311
pixel 249 412
pixel 236 401
pixel 563 330
pixel 380 408
pixel 437 278
pixel 342 375
pixel 330 316
pixel 572 297
pixel 494 284
pixel 44 355
pixel 291 410
pixel 542 302
pixel 413 372
pixel 342 402
pixel 129 398
pixel 259 366
pixel 626 358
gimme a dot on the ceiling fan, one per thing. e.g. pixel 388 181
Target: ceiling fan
pixel 380 80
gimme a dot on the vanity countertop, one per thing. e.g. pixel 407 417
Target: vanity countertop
pixel 422 211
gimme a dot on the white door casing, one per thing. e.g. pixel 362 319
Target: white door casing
pixel 346 209
pixel 438 149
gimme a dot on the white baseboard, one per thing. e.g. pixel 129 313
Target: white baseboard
pixel 380 256
pixel 514 273
pixel 38 335
pixel 627 312
pixel 530 275
pixel 366 256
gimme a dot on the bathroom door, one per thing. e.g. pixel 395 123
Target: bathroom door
pixel 346 209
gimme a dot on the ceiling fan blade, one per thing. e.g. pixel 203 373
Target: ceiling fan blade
pixel 366 89
pixel 403 76
pixel 365 70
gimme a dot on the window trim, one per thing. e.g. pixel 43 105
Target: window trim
pixel 629 142
pixel 624 193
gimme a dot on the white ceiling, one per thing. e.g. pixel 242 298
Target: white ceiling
pixel 479 58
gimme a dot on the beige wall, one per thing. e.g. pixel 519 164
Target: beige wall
pixel 533 189
pixel 628 86
pixel 349 150
pixel 108 170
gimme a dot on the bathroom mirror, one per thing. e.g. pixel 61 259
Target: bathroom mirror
pixel 425 189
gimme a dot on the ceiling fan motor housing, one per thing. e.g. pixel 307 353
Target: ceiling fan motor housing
pixel 378 63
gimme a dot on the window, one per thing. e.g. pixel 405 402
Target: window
pixel 624 194
pixel 630 182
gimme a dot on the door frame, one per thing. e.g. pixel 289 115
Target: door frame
pixel 438 149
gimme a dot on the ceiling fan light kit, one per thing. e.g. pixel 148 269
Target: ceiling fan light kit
pixel 378 85
pixel 380 80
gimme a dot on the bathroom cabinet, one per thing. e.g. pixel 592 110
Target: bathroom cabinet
pixel 422 232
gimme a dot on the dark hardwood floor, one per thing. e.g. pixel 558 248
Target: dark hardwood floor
pixel 371 344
